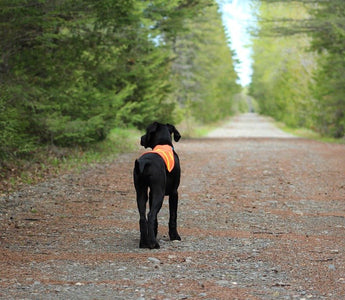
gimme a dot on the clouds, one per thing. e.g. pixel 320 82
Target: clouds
pixel 237 17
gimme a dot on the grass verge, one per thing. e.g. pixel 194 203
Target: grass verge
pixel 194 129
pixel 51 161
pixel 309 134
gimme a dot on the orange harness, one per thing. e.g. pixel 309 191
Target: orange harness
pixel 167 153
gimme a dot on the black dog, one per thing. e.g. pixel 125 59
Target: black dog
pixel 151 172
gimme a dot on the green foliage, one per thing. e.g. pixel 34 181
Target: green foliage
pixel 282 68
pixel 299 64
pixel 329 88
pixel 72 70
pixel 204 76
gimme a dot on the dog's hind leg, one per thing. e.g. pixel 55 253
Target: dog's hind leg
pixel 173 202
pixel 141 202
pixel 156 222
pixel 156 201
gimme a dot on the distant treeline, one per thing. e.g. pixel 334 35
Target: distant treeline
pixel 71 70
pixel 299 63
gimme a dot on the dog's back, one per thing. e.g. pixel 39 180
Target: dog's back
pixel 150 169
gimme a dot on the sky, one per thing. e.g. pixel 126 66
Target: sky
pixel 237 17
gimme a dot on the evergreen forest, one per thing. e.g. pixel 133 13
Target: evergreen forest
pixel 72 70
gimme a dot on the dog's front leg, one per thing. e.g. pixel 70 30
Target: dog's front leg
pixel 173 203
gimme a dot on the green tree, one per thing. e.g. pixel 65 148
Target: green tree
pixel 205 79
pixel 282 66
pixel 329 88
pixel 323 22
pixel 70 70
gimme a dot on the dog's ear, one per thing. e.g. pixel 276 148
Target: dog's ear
pixel 173 130
pixel 145 139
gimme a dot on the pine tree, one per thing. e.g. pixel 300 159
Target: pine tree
pixel 205 79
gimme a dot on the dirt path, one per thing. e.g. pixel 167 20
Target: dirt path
pixel 260 218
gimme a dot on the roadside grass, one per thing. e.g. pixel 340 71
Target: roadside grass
pixel 51 161
pixel 308 134
pixel 191 128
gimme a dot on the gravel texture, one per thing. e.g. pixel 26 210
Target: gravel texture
pixel 261 217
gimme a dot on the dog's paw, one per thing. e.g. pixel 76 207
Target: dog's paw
pixel 153 245
pixel 174 236
pixel 143 245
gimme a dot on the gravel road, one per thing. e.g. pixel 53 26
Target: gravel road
pixel 261 217
pixel 249 125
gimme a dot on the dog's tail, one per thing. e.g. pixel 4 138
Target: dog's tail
pixel 140 166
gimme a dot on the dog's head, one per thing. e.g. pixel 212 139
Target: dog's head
pixel 159 134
